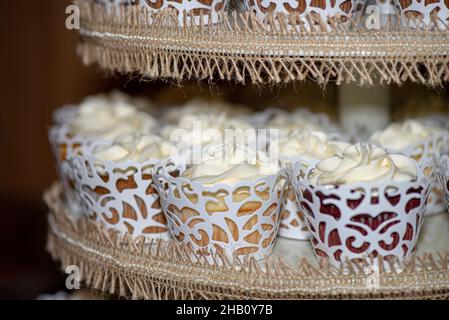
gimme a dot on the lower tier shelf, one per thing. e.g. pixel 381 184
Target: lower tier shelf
pixel 163 270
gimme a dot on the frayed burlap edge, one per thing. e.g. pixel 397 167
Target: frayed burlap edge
pixel 130 39
pixel 163 270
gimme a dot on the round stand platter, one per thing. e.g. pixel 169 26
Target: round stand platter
pixel 151 269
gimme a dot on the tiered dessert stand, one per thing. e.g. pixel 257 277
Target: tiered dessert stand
pixel 240 48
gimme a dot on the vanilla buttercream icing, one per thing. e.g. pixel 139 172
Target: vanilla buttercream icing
pixel 229 164
pixel 364 163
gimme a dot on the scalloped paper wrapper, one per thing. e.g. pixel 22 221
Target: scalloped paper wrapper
pixel 425 12
pixel 353 222
pixel 293 223
pixel 120 195
pixel 308 10
pixel 200 10
pixel 424 153
pixel 443 176
pixel 235 221
pixel 63 143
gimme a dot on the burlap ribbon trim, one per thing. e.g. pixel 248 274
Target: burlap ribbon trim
pixel 130 39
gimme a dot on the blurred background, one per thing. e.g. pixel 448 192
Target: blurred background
pixel 41 72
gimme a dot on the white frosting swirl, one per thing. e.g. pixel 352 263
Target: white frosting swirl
pixel 107 117
pixel 364 163
pixel 230 164
pixel 310 145
pixel 203 129
pixel 300 120
pixel 133 147
pixel 203 107
pixel 399 136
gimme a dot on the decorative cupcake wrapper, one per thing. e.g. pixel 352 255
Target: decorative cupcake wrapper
pixel 308 10
pixel 426 149
pixel 418 13
pixel 200 11
pixel 362 220
pixel 120 195
pixel 436 120
pixel 424 153
pixel 63 144
pixel 443 176
pixel 240 221
pixel 293 223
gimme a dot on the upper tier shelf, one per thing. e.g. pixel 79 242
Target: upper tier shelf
pixel 128 39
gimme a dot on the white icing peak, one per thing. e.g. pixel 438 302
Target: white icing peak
pixel 204 107
pixel 310 145
pixel 133 147
pixel 399 136
pixel 203 129
pixel 107 117
pixel 301 120
pixel 364 163
pixel 230 164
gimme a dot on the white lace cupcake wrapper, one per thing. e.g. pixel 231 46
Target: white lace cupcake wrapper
pixel 241 220
pixel 308 10
pixel 197 11
pixel 429 11
pixel 361 220
pixel 120 195
pixel 424 152
pixel 63 143
pixel 442 176
pixel 293 224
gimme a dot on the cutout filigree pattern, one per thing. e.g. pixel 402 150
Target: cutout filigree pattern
pixel 423 153
pixel 200 10
pixel 238 220
pixel 443 176
pixel 352 222
pixel 120 195
pixel 426 10
pixel 63 143
pixel 293 224
pixel 321 9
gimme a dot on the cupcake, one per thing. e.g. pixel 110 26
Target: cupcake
pixel 422 142
pixel 300 120
pixel 115 183
pixel 193 132
pixel 107 117
pixel 102 117
pixel 307 11
pixel 425 14
pixel 203 107
pixel 443 176
pixel 363 203
pixel 201 12
pixel 308 146
pixel 227 203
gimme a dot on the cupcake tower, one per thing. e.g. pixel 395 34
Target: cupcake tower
pixel 222 180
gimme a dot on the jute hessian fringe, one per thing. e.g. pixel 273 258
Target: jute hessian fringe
pixel 144 269
pixel 132 40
